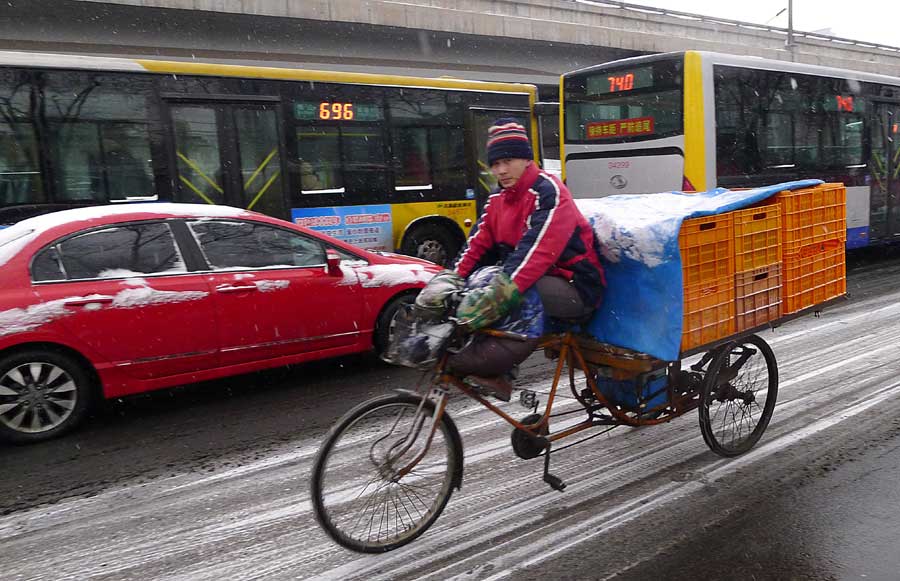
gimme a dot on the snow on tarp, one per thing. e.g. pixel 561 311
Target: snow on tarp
pixel 642 306
pixel 18 235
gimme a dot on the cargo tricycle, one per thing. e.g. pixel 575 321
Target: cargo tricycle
pixel 386 470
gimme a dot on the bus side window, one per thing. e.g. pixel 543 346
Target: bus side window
pixel 20 169
pixel 100 130
pixel 412 166
pixel 364 163
pixel 428 144
pixel 319 159
pixel 449 160
pixel 738 122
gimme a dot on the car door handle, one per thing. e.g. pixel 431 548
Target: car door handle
pixel 236 289
pixel 88 301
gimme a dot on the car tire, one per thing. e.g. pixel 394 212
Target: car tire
pixel 431 242
pixel 383 327
pixel 43 394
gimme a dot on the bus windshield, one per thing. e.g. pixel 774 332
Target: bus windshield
pixel 624 103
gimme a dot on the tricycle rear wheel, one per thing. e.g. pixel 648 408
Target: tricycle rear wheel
pixel 738 396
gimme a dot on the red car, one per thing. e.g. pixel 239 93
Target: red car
pixel 115 300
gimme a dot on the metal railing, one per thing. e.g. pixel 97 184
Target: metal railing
pixel 736 23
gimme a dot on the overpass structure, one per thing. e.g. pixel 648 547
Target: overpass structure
pixel 510 40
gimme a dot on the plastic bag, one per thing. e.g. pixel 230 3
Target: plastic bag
pixel 417 341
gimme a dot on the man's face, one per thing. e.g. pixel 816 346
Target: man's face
pixel 509 170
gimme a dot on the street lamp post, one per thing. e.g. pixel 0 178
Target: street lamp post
pixel 790 38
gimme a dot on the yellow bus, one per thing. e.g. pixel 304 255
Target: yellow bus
pixel 699 120
pixel 383 162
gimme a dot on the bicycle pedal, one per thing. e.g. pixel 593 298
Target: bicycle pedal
pixel 555 482
pixel 587 394
pixel 528 399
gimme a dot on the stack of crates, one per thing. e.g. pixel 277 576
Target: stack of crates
pixel 757 256
pixel 707 258
pixel 814 231
pixel 746 268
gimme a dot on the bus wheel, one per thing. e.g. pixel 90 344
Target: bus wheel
pixel 431 242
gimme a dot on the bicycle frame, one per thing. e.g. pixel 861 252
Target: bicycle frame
pixel 570 352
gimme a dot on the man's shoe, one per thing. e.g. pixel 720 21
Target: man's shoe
pixel 498 387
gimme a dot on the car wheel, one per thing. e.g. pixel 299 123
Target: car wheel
pixel 384 328
pixel 431 242
pixel 43 394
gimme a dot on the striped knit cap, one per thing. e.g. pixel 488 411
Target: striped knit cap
pixel 507 139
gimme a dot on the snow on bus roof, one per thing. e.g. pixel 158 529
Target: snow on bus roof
pixel 14 238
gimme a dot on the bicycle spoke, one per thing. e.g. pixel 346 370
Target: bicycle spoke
pixel 737 409
pixel 378 508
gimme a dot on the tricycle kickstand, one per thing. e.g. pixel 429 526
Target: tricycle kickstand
pixel 555 482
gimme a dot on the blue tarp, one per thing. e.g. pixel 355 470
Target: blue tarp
pixel 642 307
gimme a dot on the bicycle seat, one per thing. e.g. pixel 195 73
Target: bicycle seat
pixel 564 324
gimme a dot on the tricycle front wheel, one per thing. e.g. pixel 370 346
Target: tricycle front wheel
pixel 738 396
pixel 377 483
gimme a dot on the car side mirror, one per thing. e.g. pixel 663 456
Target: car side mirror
pixel 333 260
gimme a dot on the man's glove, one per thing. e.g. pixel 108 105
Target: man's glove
pixel 482 306
pixel 431 302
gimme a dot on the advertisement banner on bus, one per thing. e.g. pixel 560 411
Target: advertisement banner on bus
pixel 367 227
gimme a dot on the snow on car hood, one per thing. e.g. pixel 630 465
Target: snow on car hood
pixel 17 236
pixel 19 320
pixel 386 275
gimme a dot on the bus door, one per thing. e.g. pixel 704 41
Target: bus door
pixel 479 121
pixel 884 169
pixel 228 153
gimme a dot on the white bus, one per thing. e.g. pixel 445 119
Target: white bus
pixel 698 120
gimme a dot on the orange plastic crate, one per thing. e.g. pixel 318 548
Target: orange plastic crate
pixel 707 248
pixel 814 275
pixel 813 215
pixel 708 312
pixel 757 237
pixel 757 296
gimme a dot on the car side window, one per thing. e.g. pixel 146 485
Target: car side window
pixel 116 252
pixel 47 266
pixel 228 244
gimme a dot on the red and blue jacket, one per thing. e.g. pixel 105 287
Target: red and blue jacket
pixel 535 229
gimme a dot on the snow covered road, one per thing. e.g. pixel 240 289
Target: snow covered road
pixel 631 491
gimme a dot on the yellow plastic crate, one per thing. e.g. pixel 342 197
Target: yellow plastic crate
pixel 757 237
pixel 757 296
pixel 812 215
pixel 707 248
pixel 708 312
pixel 814 275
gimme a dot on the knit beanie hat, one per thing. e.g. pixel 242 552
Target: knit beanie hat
pixel 507 139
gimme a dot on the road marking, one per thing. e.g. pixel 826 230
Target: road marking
pixel 553 543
